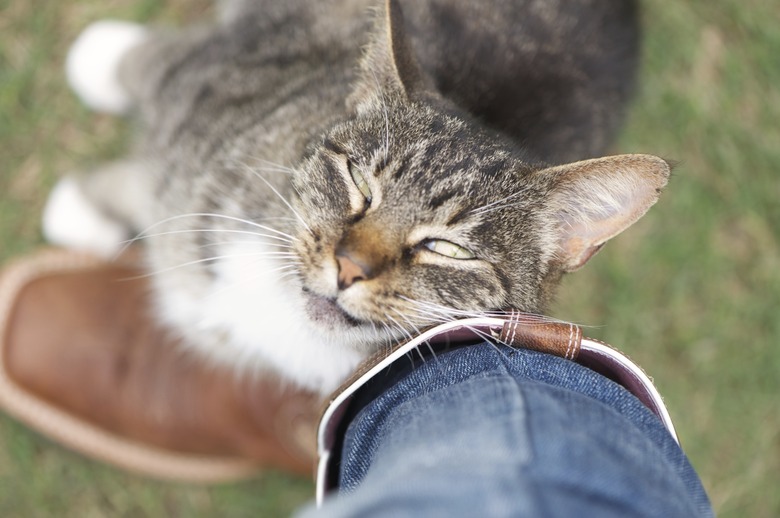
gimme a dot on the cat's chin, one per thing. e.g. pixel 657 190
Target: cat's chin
pixel 327 312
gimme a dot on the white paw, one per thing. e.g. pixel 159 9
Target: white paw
pixel 92 65
pixel 70 220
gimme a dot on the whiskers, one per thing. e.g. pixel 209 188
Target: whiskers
pixel 268 166
pixel 255 171
pixel 503 203
pixel 267 231
pixel 421 315
pixel 290 269
pixel 255 241
pixel 291 259
pixel 234 237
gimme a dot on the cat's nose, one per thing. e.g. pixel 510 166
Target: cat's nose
pixel 351 271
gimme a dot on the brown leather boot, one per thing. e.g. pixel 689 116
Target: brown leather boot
pixel 82 362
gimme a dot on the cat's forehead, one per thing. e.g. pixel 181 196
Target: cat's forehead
pixel 424 146
pixel 433 170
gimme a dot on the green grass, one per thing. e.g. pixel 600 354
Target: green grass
pixel 692 292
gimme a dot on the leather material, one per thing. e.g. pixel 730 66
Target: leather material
pixel 83 340
pixel 559 338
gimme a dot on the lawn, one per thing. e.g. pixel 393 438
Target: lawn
pixel 692 292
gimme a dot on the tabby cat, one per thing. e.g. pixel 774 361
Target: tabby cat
pixel 319 179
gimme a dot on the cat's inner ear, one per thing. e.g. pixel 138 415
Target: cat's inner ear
pixel 594 200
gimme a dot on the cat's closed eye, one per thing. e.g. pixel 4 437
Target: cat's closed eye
pixel 360 182
pixel 448 249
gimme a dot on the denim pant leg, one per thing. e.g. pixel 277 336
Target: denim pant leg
pixel 493 431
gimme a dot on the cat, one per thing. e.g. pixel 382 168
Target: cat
pixel 317 180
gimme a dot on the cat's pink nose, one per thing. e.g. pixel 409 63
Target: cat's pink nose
pixel 350 272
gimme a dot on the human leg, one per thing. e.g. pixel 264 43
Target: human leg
pixel 493 431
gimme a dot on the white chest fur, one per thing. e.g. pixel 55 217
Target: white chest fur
pixel 253 317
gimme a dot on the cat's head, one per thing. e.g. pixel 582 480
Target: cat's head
pixel 414 213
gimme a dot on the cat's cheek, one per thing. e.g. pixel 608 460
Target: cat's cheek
pixel 369 302
pixel 467 286
pixel 355 300
pixel 321 278
pixel 318 269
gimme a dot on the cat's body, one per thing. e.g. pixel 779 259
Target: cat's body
pixel 318 179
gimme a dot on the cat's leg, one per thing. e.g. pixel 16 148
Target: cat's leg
pixel 93 64
pixel 98 212
pixel 114 66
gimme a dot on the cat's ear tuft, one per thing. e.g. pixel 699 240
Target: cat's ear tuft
pixel 594 200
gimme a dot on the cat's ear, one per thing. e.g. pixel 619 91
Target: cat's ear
pixel 402 66
pixel 594 200
pixel 389 65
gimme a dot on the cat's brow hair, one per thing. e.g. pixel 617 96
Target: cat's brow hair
pixel 458 217
pixel 334 147
pixel 383 103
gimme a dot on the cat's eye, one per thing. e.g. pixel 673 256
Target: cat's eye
pixel 448 249
pixel 360 182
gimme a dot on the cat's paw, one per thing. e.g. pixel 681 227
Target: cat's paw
pixel 72 221
pixel 92 65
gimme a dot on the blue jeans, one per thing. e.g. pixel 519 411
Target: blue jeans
pixel 493 431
